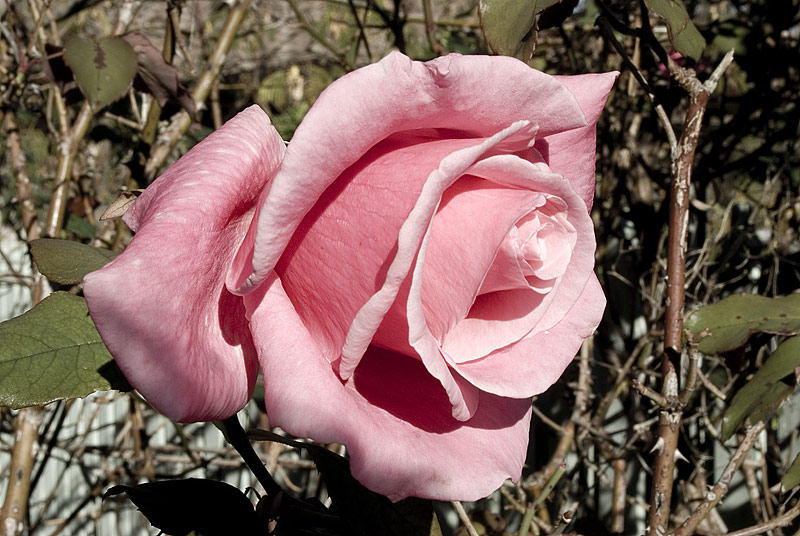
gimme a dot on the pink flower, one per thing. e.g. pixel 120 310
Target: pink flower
pixel 413 268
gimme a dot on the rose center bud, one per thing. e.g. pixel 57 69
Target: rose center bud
pixel 519 284
pixel 543 241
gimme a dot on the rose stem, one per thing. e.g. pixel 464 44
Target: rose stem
pixel 236 436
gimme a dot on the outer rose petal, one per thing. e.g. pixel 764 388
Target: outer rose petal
pixel 392 415
pixel 476 94
pixel 572 153
pixel 161 307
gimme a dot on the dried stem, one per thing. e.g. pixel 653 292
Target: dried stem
pixel 465 520
pixel 24 187
pixel 670 417
pixel 618 503
pixel 430 28
pixel 783 520
pixel 313 32
pixel 23 455
pixel 71 136
pixel 182 121
pixel 608 33
pixel 19 480
pixel 721 487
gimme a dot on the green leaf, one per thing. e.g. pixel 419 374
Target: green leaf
pixel 208 507
pixel 732 320
pixel 792 476
pixel 508 25
pixel 366 511
pixel 683 34
pixel 103 70
pixel 54 352
pixel 66 262
pixel 760 396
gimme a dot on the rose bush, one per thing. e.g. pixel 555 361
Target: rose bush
pixel 408 273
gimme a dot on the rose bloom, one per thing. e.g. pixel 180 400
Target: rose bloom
pixel 407 274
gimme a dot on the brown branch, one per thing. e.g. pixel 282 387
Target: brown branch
pixel 71 136
pixel 465 520
pixel 644 390
pixel 618 503
pixel 783 520
pixel 670 417
pixel 23 455
pixel 24 188
pixel 15 506
pixel 721 487
pixel 605 28
pixel 181 122
pixel 313 32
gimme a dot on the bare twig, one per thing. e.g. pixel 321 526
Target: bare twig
pixel 783 520
pixel 462 515
pixel 24 187
pixel 182 121
pixel 566 519
pixel 608 32
pixel 313 32
pixel 430 28
pixel 618 503
pixel 721 487
pixel 649 393
pixel 71 136
pixel 15 506
pixel 23 455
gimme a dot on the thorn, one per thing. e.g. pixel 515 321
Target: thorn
pixel 658 448
pixel 679 456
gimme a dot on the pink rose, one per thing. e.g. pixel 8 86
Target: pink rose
pixel 408 273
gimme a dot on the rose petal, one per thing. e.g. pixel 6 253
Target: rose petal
pixel 533 364
pixel 468 230
pixel 409 242
pixel 572 153
pixel 476 94
pixel 161 307
pixel 511 170
pixel 393 417
pixel 498 319
pixel 353 230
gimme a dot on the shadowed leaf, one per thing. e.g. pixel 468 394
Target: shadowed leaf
pixel 683 34
pixel 54 352
pixel 103 70
pixel 508 25
pixel 557 13
pixel 207 507
pixel 760 396
pixel 156 76
pixel 792 476
pixel 65 261
pixel 367 512
pixel 732 320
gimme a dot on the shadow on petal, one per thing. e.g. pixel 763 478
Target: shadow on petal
pixel 401 385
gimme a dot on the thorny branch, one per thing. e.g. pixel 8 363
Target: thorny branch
pixel 670 416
